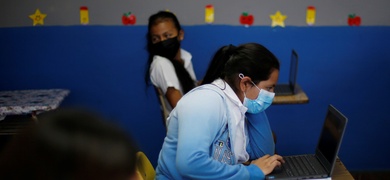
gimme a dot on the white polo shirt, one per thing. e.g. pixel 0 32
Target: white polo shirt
pixel 163 75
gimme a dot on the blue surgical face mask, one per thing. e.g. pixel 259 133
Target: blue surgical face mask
pixel 262 102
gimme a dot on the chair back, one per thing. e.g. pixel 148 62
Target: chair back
pixel 145 169
pixel 163 105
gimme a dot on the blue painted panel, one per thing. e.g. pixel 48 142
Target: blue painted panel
pixel 103 66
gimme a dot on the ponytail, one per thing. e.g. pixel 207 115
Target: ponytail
pixel 216 67
pixel 185 79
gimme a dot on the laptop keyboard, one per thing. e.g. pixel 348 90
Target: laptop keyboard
pixel 302 166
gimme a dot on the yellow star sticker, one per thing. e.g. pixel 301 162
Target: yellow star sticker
pixel 278 19
pixel 37 17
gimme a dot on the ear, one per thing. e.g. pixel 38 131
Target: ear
pixel 181 35
pixel 245 83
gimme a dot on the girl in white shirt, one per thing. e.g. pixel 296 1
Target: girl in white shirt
pixel 169 67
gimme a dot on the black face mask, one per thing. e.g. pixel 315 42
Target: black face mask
pixel 167 48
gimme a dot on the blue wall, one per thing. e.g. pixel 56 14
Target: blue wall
pixel 103 66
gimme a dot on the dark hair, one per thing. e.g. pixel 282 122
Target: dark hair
pixel 69 144
pixel 187 83
pixel 251 59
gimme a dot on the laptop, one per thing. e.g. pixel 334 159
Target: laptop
pixel 289 88
pixel 324 159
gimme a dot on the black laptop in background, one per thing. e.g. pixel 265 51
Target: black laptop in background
pixel 291 87
pixel 322 163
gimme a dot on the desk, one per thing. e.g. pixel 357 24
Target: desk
pixel 298 98
pixel 340 172
pixel 18 109
pixel 21 102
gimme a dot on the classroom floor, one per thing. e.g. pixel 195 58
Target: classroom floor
pixel 371 175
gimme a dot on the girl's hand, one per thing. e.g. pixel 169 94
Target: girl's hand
pixel 267 163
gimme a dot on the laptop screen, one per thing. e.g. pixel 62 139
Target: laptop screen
pixel 293 70
pixel 330 137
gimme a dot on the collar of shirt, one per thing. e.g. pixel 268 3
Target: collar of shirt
pixel 237 115
pixel 231 95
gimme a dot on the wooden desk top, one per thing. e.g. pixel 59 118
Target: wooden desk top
pixel 299 98
pixel 340 172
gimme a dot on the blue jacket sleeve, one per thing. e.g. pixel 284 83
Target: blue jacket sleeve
pixel 261 141
pixel 202 115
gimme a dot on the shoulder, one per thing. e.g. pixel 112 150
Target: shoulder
pixel 204 104
pixel 206 96
pixel 186 56
pixel 159 60
pixel 160 63
pixel 208 89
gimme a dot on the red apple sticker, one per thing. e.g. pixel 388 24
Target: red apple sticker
pixel 246 19
pixel 354 20
pixel 128 18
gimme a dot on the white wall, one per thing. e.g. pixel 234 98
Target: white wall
pixel 191 12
